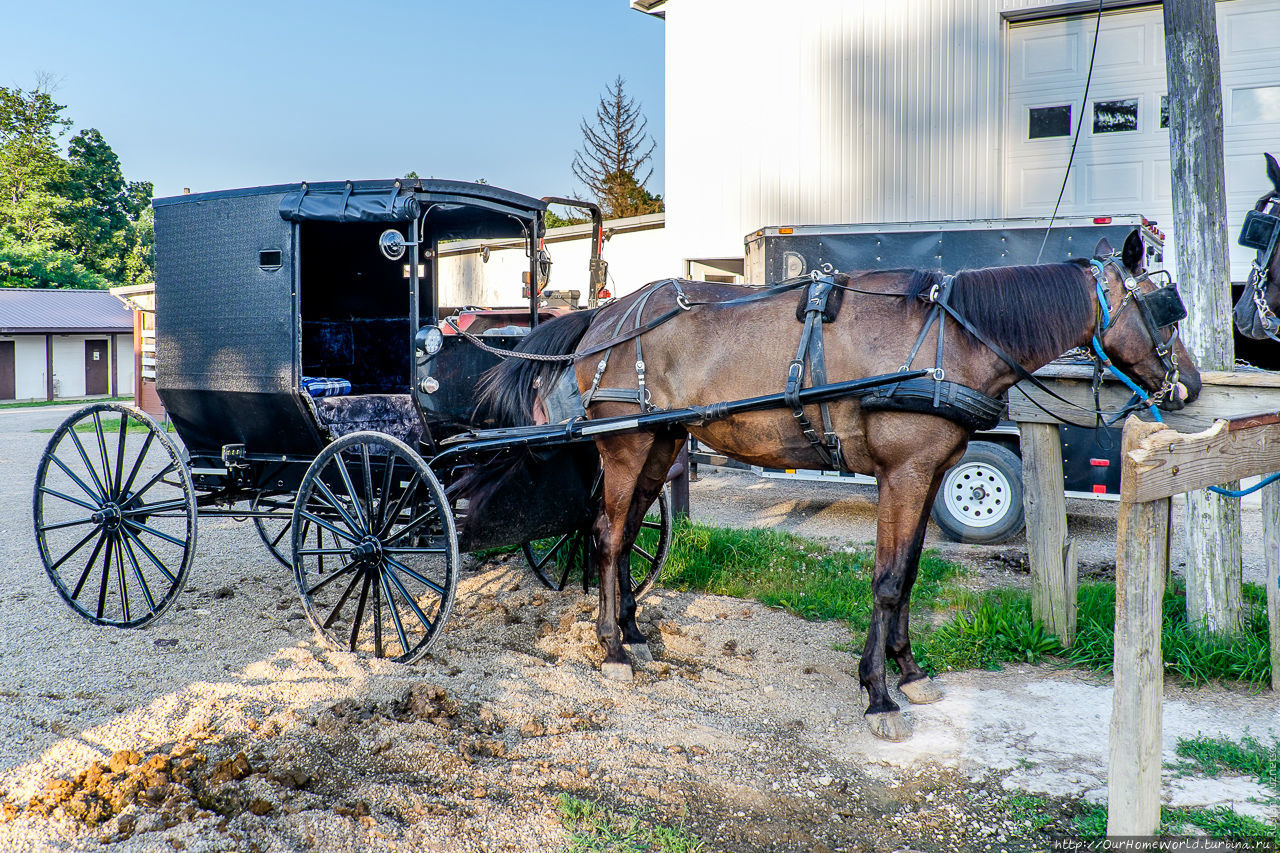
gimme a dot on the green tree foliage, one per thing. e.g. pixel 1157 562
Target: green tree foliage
pixel 70 221
pixel 615 149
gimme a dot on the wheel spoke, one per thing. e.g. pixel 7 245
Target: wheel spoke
pixel 275 543
pixel 388 470
pixel 412 527
pixel 329 578
pixel 44 528
pixel 377 618
pixel 312 552
pixel 417 611
pixel 395 613
pixel 146 528
pixel 636 549
pixel 88 491
pixel 140 492
pixel 121 581
pixel 155 509
pixel 363 526
pixel 391 561
pixel 88 566
pixel 337 504
pixel 102 451
pixel 320 522
pixel 106 575
pixel 124 431
pixel 74 548
pixel 137 463
pixel 102 492
pixel 409 490
pixel 355 624
pixel 133 537
pixel 137 571
pixel 342 599
pixel 367 473
pixel 552 551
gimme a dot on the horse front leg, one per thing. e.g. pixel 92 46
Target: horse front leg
pixel 649 485
pixel 623 459
pixel 915 683
pixel 900 525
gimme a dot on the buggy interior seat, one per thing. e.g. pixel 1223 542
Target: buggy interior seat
pixel 392 414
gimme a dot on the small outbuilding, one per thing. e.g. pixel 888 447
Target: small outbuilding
pixel 63 344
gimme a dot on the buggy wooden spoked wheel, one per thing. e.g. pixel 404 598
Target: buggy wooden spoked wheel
pixel 374 549
pixel 275 533
pixel 558 562
pixel 115 515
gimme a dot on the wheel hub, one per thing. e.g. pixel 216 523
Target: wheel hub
pixel 109 516
pixel 368 551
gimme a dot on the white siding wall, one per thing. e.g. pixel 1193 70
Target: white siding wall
pixel 820 111
pixel 636 257
pixel 69 365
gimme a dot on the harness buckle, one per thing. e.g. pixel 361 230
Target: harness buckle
pixel 934 293
pixel 938 374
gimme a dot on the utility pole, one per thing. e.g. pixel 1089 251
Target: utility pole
pixel 1214 597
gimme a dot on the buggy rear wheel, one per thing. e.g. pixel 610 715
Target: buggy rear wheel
pixel 375 555
pixel 275 533
pixel 115 516
pixel 560 560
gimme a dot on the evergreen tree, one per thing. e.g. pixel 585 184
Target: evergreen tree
pixel 615 149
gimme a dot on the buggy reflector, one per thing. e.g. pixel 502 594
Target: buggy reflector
pixel 1099 489
pixel 1102 220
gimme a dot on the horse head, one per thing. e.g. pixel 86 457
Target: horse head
pixel 1255 312
pixel 1137 325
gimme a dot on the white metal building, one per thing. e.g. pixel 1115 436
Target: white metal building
pixel 830 111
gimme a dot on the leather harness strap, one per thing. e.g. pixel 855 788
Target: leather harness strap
pixel 811 354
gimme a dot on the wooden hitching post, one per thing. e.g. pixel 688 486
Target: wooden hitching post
pixel 1142 554
pixel 1271 550
pixel 1049 552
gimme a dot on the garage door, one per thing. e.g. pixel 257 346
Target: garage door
pixel 1122 161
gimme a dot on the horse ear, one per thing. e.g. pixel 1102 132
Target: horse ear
pixel 1131 254
pixel 1273 171
pixel 1103 249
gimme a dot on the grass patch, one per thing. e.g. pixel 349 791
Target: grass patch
pixel 111 428
pixel 37 403
pixel 1247 757
pixel 593 827
pixel 805 577
pixel 1217 823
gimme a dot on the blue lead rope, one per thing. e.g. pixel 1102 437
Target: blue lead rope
pixel 1239 493
pixel 1143 396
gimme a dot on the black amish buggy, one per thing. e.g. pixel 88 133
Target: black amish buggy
pixel 318 387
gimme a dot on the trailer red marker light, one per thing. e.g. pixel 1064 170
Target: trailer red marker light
pixel 1099 489
pixel 1100 463
pixel 1102 220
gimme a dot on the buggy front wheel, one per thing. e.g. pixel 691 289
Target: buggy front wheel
pixel 560 560
pixel 375 554
pixel 115 516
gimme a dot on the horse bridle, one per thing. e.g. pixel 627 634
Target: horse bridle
pixel 1261 231
pixel 1160 309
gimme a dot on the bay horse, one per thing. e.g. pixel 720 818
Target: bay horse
pixel 1256 311
pixel 724 342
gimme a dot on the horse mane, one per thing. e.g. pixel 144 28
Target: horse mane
pixel 506 392
pixel 1035 313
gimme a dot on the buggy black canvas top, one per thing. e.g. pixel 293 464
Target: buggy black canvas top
pixel 455 209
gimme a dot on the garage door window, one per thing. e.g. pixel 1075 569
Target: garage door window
pixel 1164 111
pixel 1115 116
pixel 1048 122
pixel 1255 104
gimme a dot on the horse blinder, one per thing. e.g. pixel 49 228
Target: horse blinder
pixel 1260 231
pixel 1162 307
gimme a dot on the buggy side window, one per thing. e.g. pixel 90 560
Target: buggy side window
pixel 269 259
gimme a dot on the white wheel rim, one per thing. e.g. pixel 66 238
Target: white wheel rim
pixel 977 494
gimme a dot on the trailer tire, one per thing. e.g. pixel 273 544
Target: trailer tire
pixel 980 499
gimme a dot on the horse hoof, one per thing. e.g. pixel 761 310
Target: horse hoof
pixel 922 691
pixel 617 671
pixel 639 652
pixel 889 725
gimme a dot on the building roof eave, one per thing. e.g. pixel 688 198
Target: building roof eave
pixel 651 7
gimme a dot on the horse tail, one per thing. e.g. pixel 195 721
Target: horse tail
pixel 506 393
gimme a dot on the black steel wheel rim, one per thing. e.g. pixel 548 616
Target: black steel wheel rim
pixel 115 516
pixel 374 550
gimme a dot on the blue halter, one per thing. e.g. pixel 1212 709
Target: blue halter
pixel 1100 277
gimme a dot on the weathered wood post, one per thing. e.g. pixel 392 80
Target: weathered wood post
pixel 1142 555
pixel 1271 549
pixel 1214 595
pixel 1050 553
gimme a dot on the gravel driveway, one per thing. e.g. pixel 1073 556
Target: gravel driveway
pixel 227 726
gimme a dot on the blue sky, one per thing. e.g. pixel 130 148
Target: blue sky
pixel 229 94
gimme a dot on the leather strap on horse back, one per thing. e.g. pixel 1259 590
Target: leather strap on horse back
pixel 970 409
pixel 830 307
pixel 811 354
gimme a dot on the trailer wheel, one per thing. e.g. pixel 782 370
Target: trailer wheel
pixel 115 516
pixel 375 554
pixel 980 499
pixel 556 562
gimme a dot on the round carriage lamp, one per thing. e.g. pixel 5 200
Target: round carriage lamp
pixel 392 244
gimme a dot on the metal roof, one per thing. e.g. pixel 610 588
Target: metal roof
pixel 50 311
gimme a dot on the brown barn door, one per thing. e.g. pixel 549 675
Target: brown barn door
pixel 8 373
pixel 96 367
